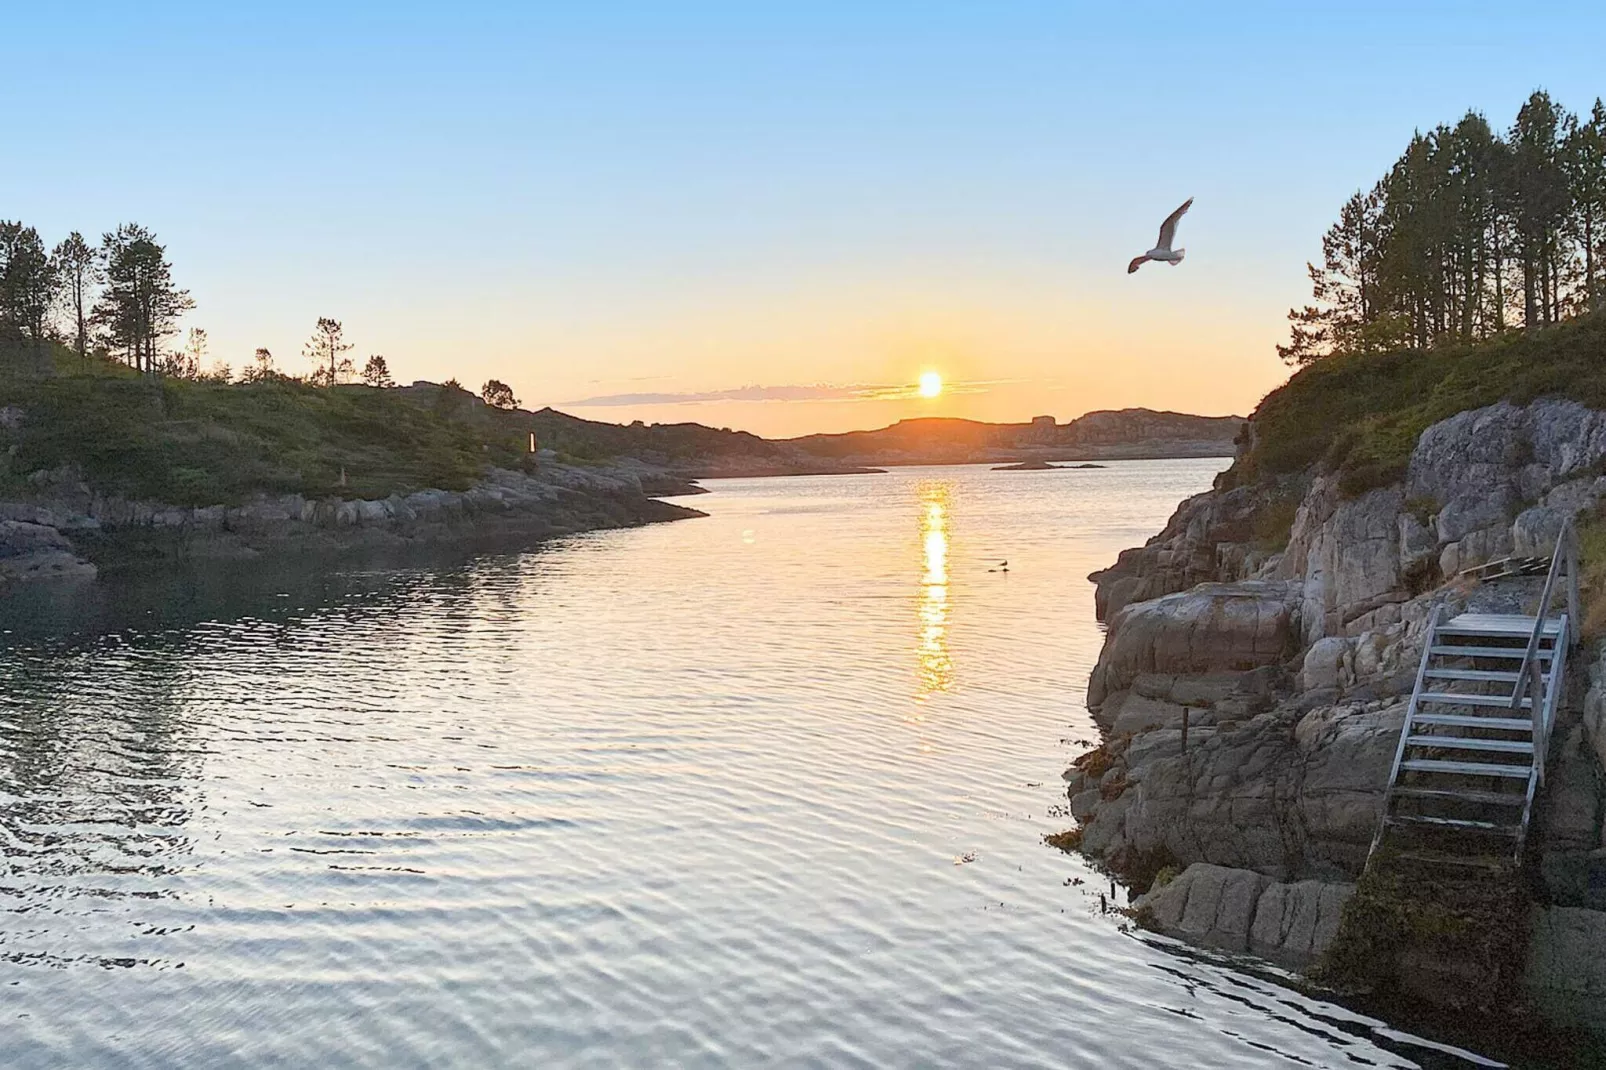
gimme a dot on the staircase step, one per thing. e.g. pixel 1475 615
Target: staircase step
pixel 1435 858
pixel 1499 701
pixel 1496 676
pixel 1451 822
pixel 1503 625
pixel 1481 798
pixel 1508 746
pixel 1512 652
pixel 1472 720
pixel 1437 765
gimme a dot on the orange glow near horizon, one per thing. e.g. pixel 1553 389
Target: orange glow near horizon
pixel 1006 353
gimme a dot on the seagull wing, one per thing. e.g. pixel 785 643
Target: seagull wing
pixel 1168 229
pixel 1137 262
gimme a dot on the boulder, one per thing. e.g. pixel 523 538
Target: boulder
pixel 1241 911
pixel 1295 923
pixel 1326 664
pixel 1212 628
pixel 1210 538
pixel 38 552
pixel 1209 905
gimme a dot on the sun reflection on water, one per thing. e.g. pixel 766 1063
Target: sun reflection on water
pixel 936 665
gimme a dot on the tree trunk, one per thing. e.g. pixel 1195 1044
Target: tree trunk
pixel 1499 283
pixel 1530 296
pixel 1590 297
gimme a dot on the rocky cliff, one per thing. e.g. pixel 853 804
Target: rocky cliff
pixel 1288 657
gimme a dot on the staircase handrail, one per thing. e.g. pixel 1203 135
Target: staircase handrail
pixel 1570 533
pixel 1566 553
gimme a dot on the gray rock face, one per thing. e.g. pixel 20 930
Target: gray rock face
pixel 1292 671
pixel 1214 627
pixel 1210 538
pixel 556 499
pixel 1480 449
pixel 1345 555
pixel 1566 970
pixel 1285 793
pixel 30 551
pixel 1293 791
pixel 1241 911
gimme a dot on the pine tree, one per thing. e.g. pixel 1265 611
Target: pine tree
pixel 78 266
pixel 1584 161
pixel 1539 194
pixel 324 349
pixel 139 305
pixel 376 373
pixel 28 282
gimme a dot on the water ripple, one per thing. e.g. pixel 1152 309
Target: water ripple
pixel 765 789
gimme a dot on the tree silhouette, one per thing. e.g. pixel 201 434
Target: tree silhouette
pixel 1467 233
pixel 324 349
pixel 78 266
pixel 498 395
pixel 27 283
pixel 139 305
pixel 377 373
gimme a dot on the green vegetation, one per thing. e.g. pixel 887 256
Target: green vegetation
pixel 200 443
pixel 1423 285
pixel 1469 233
pixel 1476 927
pixel 1360 415
pixel 204 441
pixel 1591 530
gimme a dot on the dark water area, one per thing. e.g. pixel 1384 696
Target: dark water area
pixel 762 789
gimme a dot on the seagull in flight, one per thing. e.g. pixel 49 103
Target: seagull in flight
pixel 1162 249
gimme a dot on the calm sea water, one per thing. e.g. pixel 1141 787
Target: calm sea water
pixel 762 789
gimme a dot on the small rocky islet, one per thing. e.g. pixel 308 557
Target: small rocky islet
pixel 1041 466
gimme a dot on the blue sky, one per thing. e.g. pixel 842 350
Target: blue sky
pixel 597 199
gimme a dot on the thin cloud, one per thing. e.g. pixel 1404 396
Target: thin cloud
pixel 815 392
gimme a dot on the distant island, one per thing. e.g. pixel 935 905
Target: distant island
pixel 1042 466
pixel 697 452
pixel 1098 436
pixel 693 451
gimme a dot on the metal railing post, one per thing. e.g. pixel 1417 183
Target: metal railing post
pixel 1573 618
pixel 1532 652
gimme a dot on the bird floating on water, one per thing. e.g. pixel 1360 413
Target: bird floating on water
pixel 1003 566
pixel 1162 249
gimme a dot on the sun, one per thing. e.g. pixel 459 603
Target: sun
pixel 930 384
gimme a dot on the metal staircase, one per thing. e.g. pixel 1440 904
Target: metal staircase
pixel 1472 751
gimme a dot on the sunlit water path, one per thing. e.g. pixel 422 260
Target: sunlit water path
pixel 762 789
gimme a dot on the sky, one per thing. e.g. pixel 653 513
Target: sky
pixel 767 216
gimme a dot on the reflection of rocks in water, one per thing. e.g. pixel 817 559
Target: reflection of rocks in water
pixel 181 597
pixel 96 793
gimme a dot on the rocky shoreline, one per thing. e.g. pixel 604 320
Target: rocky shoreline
pixel 66 531
pixel 1253 684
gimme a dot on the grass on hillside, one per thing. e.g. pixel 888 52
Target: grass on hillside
pixel 1361 415
pixel 194 443
pixel 203 443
